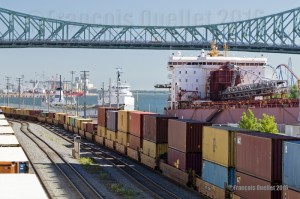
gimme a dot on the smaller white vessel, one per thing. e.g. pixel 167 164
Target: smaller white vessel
pixel 59 100
pixel 118 96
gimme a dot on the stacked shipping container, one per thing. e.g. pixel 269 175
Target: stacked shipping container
pixel 218 167
pixel 155 139
pixel 102 124
pixel 123 131
pixel 185 144
pixel 259 164
pixel 136 133
pixel 290 169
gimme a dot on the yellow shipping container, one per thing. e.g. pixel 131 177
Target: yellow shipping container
pixel 83 126
pixel 123 121
pixel 25 112
pixel 153 149
pixel 111 135
pixel 57 116
pixel 78 122
pixel 68 119
pixel 3 108
pixel 122 138
pixel 19 111
pixel 218 145
pixel 10 110
pixel 101 131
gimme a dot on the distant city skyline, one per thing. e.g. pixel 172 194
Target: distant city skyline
pixel 141 68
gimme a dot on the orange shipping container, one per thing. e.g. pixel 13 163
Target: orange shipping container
pixel 136 122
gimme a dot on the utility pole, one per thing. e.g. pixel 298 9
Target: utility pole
pixel 7 87
pixel 109 93
pixel 102 93
pixel 19 89
pixel 85 74
pixel 73 73
pixel 66 84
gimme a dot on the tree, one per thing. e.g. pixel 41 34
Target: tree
pixel 249 121
pixel 267 124
pixel 294 94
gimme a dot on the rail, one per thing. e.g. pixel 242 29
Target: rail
pixel 75 179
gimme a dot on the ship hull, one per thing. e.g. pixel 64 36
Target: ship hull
pixel 283 115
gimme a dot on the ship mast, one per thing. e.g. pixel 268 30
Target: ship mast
pixel 118 82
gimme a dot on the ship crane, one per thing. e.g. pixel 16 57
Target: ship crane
pixel 265 87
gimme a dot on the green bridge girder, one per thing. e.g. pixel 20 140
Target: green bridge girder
pixel 277 33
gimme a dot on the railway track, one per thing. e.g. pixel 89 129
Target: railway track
pixel 139 179
pixel 142 181
pixel 75 179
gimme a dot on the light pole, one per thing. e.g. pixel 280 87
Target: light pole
pixel 19 90
pixel 7 87
pixel 85 74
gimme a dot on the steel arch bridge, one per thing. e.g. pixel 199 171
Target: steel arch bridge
pixel 277 33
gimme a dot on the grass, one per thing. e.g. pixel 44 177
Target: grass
pixel 52 138
pixel 122 191
pixel 86 161
pixel 88 164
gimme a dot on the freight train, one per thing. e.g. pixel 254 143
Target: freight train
pixel 15 180
pixel 218 161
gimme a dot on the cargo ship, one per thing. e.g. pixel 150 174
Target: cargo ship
pixel 216 88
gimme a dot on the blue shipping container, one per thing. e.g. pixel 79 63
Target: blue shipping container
pixel 291 164
pixel 217 175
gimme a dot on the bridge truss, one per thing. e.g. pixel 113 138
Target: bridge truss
pixel 278 33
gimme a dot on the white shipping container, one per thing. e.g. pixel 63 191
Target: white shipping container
pixel 292 130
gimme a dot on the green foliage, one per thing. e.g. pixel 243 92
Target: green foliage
pixel 86 161
pixel 122 191
pixel 249 121
pixel 294 94
pixel 267 124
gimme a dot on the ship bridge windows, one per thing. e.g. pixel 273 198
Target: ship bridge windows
pixel 195 63
pixel 209 63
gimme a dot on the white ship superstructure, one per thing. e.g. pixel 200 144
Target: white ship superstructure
pixel 190 75
pixel 126 99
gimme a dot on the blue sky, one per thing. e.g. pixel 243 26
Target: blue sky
pixel 142 68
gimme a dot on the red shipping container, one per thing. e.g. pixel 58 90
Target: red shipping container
pixel 51 115
pixel 156 128
pixel 102 116
pixel 34 112
pixel 185 161
pixel 251 187
pixel 91 127
pixel 136 122
pixel 260 155
pixel 135 142
pixel 186 135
